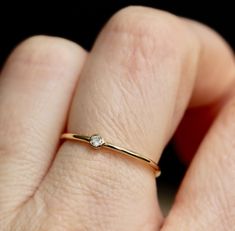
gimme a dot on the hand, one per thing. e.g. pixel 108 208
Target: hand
pixel 146 68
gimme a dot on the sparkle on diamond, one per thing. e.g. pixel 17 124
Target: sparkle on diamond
pixel 96 141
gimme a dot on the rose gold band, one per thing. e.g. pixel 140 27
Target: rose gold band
pixel 96 141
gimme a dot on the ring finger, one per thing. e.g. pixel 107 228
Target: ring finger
pixel 130 92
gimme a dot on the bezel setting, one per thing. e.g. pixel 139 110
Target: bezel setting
pixel 96 141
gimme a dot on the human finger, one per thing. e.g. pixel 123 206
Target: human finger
pixel 205 200
pixel 36 87
pixel 134 89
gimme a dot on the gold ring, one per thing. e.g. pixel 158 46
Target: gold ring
pixel 97 141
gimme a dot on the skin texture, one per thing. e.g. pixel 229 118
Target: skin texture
pixel 145 69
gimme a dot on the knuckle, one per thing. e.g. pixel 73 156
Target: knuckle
pixel 150 30
pixel 137 19
pixel 145 40
pixel 46 52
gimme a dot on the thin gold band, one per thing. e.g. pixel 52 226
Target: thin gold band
pixel 96 141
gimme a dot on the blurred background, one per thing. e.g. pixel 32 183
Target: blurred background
pixel 81 21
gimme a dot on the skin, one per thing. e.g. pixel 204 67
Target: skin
pixel 148 72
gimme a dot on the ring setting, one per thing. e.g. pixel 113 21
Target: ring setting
pixel 96 141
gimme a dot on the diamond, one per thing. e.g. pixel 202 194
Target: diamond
pixel 96 141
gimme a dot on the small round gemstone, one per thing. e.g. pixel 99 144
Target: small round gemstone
pixel 96 141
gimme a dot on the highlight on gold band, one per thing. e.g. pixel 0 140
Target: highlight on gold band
pixel 97 141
